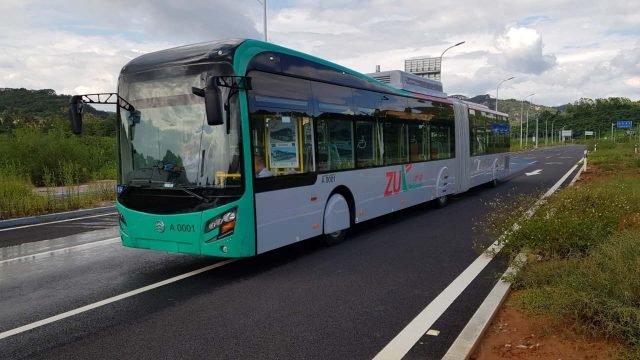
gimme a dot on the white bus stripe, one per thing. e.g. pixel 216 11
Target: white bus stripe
pixel 110 300
pixel 61 250
pixel 400 345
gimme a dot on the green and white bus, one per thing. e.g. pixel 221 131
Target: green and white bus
pixel 239 147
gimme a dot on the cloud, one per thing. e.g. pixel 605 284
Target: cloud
pixel 520 50
pixel 560 49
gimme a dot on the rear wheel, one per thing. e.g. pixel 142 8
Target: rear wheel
pixel 493 183
pixel 442 201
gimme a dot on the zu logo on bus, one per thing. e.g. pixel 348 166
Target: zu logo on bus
pixel 402 180
pixel 394 183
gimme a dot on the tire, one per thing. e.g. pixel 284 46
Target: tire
pixel 442 201
pixel 334 238
pixel 493 183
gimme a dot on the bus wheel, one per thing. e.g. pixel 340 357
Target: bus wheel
pixel 337 219
pixel 334 237
pixel 493 183
pixel 442 201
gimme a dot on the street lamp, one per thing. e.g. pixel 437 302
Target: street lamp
pixel 445 50
pixel 264 19
pixel 521 113
pixel 498 87
pixel 526 140
pixel 537 132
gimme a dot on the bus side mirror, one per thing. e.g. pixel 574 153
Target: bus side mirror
pixel 212 101
pixel 76 109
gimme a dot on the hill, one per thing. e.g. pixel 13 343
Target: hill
pixel 582 115
pixel 43 108
pixel 512 107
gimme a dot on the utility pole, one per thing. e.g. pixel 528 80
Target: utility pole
pixel 612 132
pixel 264 18
pixel 546 133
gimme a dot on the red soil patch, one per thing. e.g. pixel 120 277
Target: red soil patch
pixel 514 335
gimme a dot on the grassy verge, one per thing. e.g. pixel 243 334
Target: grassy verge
pixel 584 244
pixel 53 157
pixel 17 197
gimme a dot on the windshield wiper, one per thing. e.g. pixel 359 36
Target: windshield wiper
pixel 147 185
pixel 198 196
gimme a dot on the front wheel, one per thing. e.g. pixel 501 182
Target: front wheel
pixel 334 237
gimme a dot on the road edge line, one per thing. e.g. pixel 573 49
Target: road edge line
pixel 60 250
pixel 470 336
pixel 398 347
pixel 110 300
pixel 464 345
pixel 18 223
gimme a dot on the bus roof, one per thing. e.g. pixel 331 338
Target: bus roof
pixel 243 53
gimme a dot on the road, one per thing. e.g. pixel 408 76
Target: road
pixel 303 301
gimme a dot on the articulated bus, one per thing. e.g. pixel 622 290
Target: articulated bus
pixel 235 148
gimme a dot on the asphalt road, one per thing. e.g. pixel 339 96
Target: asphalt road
pixel 303 301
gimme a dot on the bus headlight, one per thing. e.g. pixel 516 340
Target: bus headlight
pixel 226 223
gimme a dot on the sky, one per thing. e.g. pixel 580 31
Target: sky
pixel 560 50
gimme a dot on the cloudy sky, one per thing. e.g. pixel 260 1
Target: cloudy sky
pixel 560 50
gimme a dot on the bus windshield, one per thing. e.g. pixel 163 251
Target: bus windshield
pixel 166 142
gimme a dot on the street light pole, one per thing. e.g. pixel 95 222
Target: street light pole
pixel 546 132
pixel 445 50
pixel 498 87
pixel 521 113
pixel 526 140
pixel 537 133
pixel 264 17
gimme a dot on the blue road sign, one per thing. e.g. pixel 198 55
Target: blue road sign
pixel 624 124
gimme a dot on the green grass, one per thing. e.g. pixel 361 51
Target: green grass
pixel 38 154
pixel 17 197
pixel 584 247
pixel 600 292
pixel 31 156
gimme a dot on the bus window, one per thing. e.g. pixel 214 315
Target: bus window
pixel 367 141
pixel 418 141
pixel 478 133
pixel 442 141
pixel 334 126
pixel 395 142
pixel 335 144
pixel 282 143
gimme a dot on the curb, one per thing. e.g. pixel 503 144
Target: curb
pixel 466 342
pixel 31 220
pixel 469 337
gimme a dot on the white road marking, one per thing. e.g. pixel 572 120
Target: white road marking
pixel 532 162
pixel 400 345
pixel 61 250
pixel 575 178
pixel 534 172
pixel 110 300
pixel 433 332
pixel 554 163
pixel 56 222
